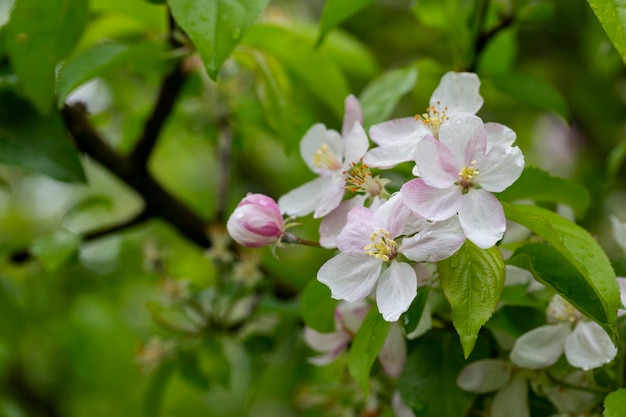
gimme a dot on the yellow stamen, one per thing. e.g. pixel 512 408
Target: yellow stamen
pixel 434 118
pixel 359 179
pixel 325 158
pixel 382 246
pixel 467 175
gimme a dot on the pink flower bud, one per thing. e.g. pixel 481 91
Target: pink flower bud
pixel 257 221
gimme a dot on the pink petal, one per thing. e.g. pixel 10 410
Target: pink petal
pixel 334 222
pixel 482 218
pixel 356 233
pixel 406 130
pixel 326 342
pixel 351 315
pixel 459 92
pixel 589 346
pixel 438 166
pixel 393 354
pixel 429 202
pixel 397 288
pixel 353 113
pixel 435 243
pixel 392 216
pixel 350 277
pixel 500 168
pixel 485 376
pixel 540 347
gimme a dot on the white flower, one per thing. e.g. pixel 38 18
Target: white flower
pixel 397 139
pixel 459 172
pixel 369 242
pixel 331 156
pixel 619 232
pixel 586 346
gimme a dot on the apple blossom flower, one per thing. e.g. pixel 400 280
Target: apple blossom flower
pixel 370 245
pixel 333 157
pixel 619 232
pixel 257 221
pixel 397 139
pixel 348 320
pixel 586 345
pixel 459 173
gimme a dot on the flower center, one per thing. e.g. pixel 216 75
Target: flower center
pixel 562 311
pixel 434 118
pixel 382 246
pixel 467 175
pixel 359 179
pixel 325 158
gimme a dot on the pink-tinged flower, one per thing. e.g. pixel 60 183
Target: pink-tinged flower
pixel 586 345
pixel 460 171
pixel 256 222
pixel 397 139
pixel 370 244
pixel 348 320
pixel 331 156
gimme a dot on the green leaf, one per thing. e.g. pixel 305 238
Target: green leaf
pixel 538 185
pixel 532 91
pixel 615 403
pixel 336 11
pixel 36 45
pixel 33 141
pixel 55 251
pixel 516 320
pixel 318 309
pixel 155 393
pixel 500 54
pixel 191 371
pixel 313 67
pixel 551 268
pixel 216 26
pixel 381 96
pixel 88 65
pixel 367 344
pixel 87 205
pixel 612 16
pixel 616 159
pixel 472 280
pixel 518 295
pixel 428 382
pixel 413 315
pixel 582 251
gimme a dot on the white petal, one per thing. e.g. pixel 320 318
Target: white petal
pixel 350 315
pixel 512 400
pixel 619 232
pixel 304 199
pixel 332 195
pixel 435 243
pixel 392 356
pixel 464 135
pixel 425 324
pixel 540 347
pixel 389 156
pixel 517 276
pixel 589 346
pixel 484 376
pixel 482 218
pixel 349 276
pixel 353 113
pixel 498 134
pixel 622 292
pixel 406 130
pixel 500 168
pixel 438 166
pixel 392 215
pixel 397 287
pixel 334 222
pixel 430 202
pixel 399 408
pixel 313 140
pixel 570 400
pixel 356 144
pixel 326 342
pixel 459 92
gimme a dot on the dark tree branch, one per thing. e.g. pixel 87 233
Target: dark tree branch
pixel 170 89
pixel 483 39
pixel 158 201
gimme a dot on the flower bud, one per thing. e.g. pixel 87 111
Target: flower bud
pixel 257 221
